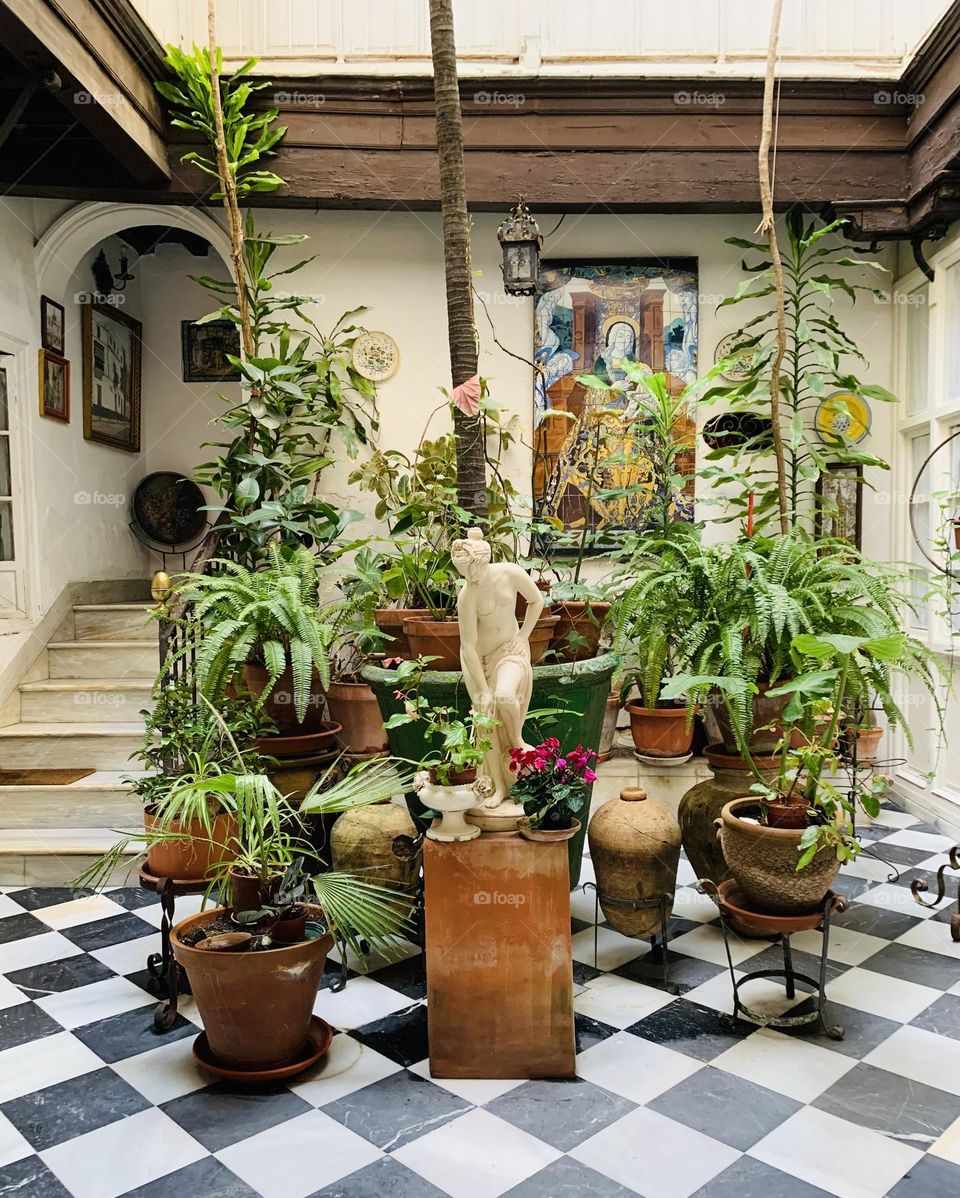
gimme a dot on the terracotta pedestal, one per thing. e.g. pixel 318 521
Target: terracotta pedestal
pixel 499 958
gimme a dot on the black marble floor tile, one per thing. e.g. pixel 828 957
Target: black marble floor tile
pixel 206 1178
pixel 930 1177
pixel 227 1112
pixel 915 965
pixel 383 1177
pixel 685 972
pixel 909 876
pixel 32 898
pixel 749 1178
pixel 690 1028
pixel 24 1022
pixel 560 1113
pixel 899 854
pixel 942 1017
pixel 101 933
pixel 724 1107
pixel 120 1036
pixel 850 887
pixel 397 1109
pixel 30 1178
pixel 578 925
pixel 863 1032
pixel 132 898
pixel 806 963
pixel 947 909
pixel 889 1103
pixel 874 921
pixel 401 1037
pixel 56 976
pixel 567 1178
pixel 588 1032
pixel 406 977
pixel 582 974
pixel 20 927
pixel 72 1108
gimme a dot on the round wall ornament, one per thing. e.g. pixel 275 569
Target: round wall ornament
pixel 843 415
pixel 740 357
pixel 376 356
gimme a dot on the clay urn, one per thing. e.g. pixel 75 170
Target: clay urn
pixel 635 848
pixel 362 842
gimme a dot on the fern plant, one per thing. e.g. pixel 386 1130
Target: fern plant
pixel 272 617
pixel 817 363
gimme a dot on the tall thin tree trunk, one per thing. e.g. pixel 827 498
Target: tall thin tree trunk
pixel 457 265
pixel 768 226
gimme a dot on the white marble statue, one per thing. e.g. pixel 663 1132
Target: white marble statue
pixel 495 659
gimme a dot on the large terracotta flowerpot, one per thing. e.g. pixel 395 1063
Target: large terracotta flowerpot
pixel 279 706
pixel 767 715
pixel 390 622
pixel 764 862
pixel 703 802
pixel 635 850
pixel 660 731
pixel 197 854
pixel 608 729
pixel 362 841
pixel 255 1006
pixel 578 690
pixel 583 619
pixel 439 639
pixel 542 636
pixel 354 706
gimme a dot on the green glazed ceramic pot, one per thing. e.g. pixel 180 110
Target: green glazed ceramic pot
pixel 578 689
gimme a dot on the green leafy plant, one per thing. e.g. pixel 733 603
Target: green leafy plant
pixel 817 362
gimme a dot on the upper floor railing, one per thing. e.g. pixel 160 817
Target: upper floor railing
pixel 697 38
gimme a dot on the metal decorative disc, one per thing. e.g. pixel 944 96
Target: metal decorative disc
pixel 842 415
pixel 168 507
pixel 376 356
pixel 739 369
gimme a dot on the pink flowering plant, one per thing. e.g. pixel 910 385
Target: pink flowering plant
pixel 552 785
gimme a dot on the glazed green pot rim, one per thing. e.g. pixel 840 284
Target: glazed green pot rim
pixel 593 669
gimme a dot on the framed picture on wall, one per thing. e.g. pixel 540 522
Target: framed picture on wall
pixel 840 503
pixel 51 325
pixel 54 386
pixel 592 468
pixel 204 348
pixel 111 377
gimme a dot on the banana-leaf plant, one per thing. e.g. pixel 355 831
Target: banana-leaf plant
pixel 819 362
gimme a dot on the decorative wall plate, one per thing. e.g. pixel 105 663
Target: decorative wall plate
pixel 740 367
pixel 376 356
pixel 842 414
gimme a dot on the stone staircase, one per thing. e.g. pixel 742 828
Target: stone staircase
pixel 80 708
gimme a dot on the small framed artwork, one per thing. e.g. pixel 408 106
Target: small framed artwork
pixel 54 386
pixel 204 349
pixel 840 503
pixel 111 377
pixel 51 325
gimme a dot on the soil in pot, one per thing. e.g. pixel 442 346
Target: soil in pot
pixel 454 777
pixel 255 1006
pixel 390 622
pixel 660 731
pixel 194 857
pixel 278 705
pixel 763 861
pixel 434 638
pixel 354 706
pixel 786 815
pixel 583 619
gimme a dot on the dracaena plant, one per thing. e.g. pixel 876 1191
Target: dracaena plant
pixel 300 391
pixel 820 359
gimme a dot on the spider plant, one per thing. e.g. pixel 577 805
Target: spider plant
pixel 272 616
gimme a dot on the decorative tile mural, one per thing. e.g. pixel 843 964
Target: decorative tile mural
pixel 591 316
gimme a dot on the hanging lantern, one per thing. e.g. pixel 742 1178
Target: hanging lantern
pixel 521 239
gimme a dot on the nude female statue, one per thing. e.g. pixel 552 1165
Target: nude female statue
pixel 495 656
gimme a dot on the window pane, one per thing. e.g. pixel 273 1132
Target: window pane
pixel 952 349
pixel 6 531
pixel 918 334
pixel 4 416
pixel 6 487
pixel 919 448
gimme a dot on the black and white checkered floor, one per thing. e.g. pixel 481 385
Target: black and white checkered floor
pixel 671 1099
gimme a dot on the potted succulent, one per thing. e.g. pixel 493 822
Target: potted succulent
pixel 553 788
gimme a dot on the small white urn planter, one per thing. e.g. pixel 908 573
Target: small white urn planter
pixel 452 802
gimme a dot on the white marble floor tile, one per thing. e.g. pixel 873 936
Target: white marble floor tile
pixel 13 1147
pixel 100 1000
pixel 163 1073
pixel 785 1064
pixel 78 911
pixel 347 1067
pixel 922 1056
pixel 948 1146
pixel 363 1001
pixel 613 950
pixel 706 943
pixel 618 1001
pixel 10 995
pixel 479 1090
pixel 44 1062
pixel 878 994
pixel 35 950
pixel 129 956
pixel 934 936
pixel 908 839
pixel 847 946
pixel 635 1068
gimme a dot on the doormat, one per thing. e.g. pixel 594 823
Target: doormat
pixel 42 777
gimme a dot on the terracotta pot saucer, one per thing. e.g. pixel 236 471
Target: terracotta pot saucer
pixel 547 835
pixel 737 907
pixel 319 1037
pixel 667 761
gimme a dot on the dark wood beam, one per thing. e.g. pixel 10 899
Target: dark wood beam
pixel 107 82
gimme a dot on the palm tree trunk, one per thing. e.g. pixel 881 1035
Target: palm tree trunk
pixel 458 270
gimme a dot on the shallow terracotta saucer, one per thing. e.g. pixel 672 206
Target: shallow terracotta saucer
pixel 319 1038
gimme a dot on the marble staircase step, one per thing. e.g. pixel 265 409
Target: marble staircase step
pixel 107 700
pixel 56 856
pixel 79 745
pixel 137 658
pixel 102 799
pixel 113 621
